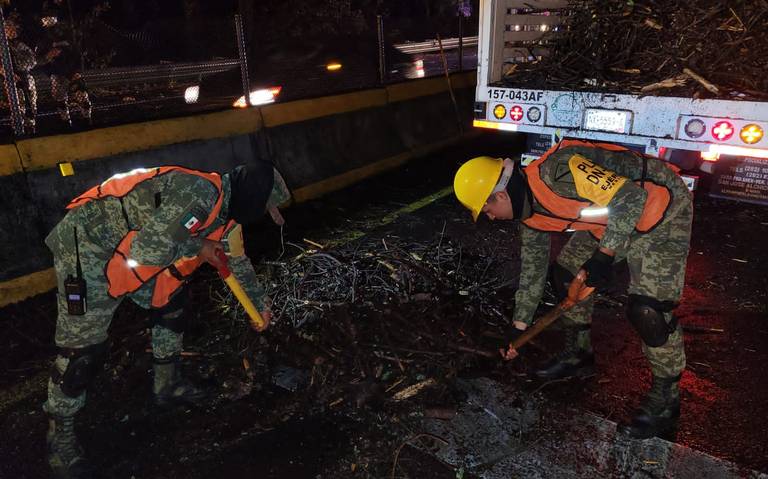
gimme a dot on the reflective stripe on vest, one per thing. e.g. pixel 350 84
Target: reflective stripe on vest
pixel 569 214
pixel 123 274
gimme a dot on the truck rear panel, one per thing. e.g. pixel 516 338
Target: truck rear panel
pixel 509 33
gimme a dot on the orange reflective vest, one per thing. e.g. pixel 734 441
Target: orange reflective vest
pixel 566 214
pixel 124 276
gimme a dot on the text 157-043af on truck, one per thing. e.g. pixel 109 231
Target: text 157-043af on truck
pixel 722 136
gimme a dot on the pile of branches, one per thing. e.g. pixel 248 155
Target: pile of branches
pixel 384 272
pixel 685 48
pixel 373 320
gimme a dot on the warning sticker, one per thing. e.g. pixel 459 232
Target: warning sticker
pixel 593 182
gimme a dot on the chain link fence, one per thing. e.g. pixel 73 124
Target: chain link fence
pixel 81 64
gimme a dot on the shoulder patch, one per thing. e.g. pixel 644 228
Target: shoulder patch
pixel 593 182
pixel 193 219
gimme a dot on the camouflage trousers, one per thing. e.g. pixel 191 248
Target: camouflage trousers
pixel 77 332
pixel 72 95
pixel 656 262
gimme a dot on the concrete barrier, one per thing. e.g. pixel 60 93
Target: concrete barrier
pixel 320 145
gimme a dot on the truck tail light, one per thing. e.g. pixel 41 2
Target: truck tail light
pixel 751 134
pixel 533 114
pixel 722 131
pixel 494 125
pixel 710 156
pixel 516 113
pixel 695 128
pixel 738 151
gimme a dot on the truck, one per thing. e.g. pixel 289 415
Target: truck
pixel 721 141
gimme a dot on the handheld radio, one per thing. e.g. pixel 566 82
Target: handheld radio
pixel 74 287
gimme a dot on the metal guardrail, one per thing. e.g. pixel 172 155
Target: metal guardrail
pixel 146 73
pixel 433 45
pixel 166 81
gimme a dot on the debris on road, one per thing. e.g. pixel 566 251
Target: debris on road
pixel 655 47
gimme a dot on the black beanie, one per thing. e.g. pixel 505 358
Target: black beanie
pixel 518 190
pixel 251 185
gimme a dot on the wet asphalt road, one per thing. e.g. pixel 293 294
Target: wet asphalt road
pixel 725 305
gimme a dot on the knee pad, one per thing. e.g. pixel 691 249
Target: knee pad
pixel 83 366
pixel 173 315
pixel 646 315
pixel 560 279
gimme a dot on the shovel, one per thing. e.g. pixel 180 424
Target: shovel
pixel 576 294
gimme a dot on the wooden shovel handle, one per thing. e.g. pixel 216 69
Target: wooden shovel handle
pixel 542 324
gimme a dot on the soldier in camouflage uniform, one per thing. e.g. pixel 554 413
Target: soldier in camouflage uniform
pixel 60 61
pixel 619 204
pixel 173 212
pixel 23 59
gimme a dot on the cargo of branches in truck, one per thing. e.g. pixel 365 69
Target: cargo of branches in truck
pixel 684 80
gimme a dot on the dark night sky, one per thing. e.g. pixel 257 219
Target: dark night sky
pixel 148 31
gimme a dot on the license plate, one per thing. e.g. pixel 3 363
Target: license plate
pixel 615 121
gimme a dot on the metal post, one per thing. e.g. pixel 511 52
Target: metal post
pixel 17 118
pixel 76 40
pixel 461 42
pixel 450 86
pixel 382 60
pixel 241 50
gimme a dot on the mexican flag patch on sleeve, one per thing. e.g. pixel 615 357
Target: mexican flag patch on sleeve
pixel 190 222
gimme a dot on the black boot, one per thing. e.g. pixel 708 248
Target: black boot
pixel 65 455
pixel 171 388
pixel 659 411
pixel 576 360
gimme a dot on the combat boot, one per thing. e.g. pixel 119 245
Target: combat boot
pixel 170 387
pixel 658 412
pixel 576 359
pixel 65 455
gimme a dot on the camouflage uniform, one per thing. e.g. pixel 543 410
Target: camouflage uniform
pixel 156 207
pixel 23 58
pixel 656 259
pixel 59 60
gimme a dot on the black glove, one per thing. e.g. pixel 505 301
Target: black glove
pixel 598 269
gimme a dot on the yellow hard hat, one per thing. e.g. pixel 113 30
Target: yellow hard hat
pixel 474 182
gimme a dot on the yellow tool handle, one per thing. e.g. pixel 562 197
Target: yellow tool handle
pixel 250 308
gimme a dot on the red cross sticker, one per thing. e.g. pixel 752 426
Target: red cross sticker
pixel 722 131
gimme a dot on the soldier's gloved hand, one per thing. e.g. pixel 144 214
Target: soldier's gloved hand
pixel 598 269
